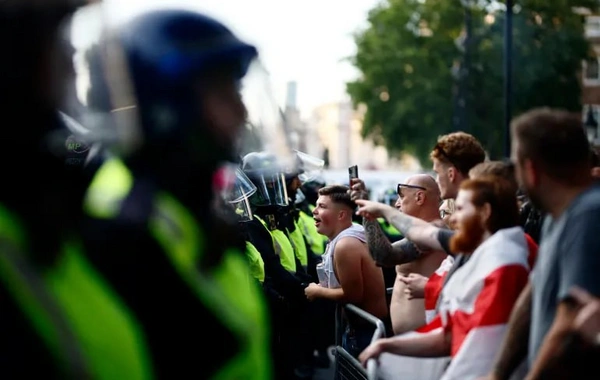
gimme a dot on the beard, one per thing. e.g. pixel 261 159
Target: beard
pixel 468 235
pixel 534 198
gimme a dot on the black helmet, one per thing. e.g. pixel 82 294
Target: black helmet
pixel 167 58
pixel 268 175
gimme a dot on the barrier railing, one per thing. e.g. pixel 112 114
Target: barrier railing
pixel 346 366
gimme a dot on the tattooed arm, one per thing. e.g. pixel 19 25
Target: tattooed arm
pixel 420 232
pixel 385 253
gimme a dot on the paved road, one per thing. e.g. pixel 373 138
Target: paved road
pixel 324 374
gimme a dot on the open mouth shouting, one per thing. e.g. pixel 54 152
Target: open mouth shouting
pixel 317 221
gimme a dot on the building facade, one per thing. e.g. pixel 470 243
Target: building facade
pixel 336 128
pixel 590 79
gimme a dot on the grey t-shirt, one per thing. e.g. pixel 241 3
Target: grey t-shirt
pixel 569 254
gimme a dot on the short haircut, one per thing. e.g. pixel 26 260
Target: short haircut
pixel 339 195
pixel 459 149
pixel 500 195
pixel 497 168
pixel 555 140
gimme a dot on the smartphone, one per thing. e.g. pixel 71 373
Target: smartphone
pixel 352 173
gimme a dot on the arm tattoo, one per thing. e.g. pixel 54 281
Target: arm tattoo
pixel 383 252
pixel 403 223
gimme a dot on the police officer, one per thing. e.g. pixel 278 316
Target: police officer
pixel 60 318
pixel 168 82
pixel 268 232
pixel 303 169
pixel 306 206
pixel 236 207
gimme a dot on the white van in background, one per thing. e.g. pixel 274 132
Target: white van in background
pixel 377 181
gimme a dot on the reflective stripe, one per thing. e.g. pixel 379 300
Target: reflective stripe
pixel 78 317
pixel 240 306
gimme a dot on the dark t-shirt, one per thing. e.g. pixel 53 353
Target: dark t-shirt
pixel 569 255
pixel 444 236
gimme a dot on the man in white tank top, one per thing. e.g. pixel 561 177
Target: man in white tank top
pixel 351 275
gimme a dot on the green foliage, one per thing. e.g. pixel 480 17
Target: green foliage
pixel 407 54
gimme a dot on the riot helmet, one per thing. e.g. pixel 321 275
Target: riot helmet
pixel 268 175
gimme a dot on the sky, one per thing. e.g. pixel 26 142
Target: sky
pixel 304 41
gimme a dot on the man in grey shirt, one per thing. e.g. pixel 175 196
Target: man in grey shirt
pixel 551 155
pixel 569 256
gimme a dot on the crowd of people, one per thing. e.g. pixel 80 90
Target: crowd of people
pixel 158 234
pixel 497 305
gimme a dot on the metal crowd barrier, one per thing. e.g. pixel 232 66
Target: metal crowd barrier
pixel 346 366
pixel 388 296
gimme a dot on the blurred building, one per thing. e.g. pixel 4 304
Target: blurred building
pixel 294 124
pixel 334 133
pixel 590 78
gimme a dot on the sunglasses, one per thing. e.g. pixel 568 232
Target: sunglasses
pixel 401 185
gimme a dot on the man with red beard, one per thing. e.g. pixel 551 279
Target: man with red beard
pixel 435 283
pixel 477 299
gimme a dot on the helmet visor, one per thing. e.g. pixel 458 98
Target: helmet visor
pixel 270 189
pixel 242 188
pixel 309 167
pixel 242 210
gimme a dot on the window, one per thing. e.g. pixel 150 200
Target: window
pixel 592 135
pixel 592 26
pixel 591 72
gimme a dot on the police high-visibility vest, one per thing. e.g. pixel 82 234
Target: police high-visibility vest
pixel 76 314
pixel 309 230
pixel 388 228
pixel 239 306
pixel 256 263
pixel 282 246
pixel 297 240
pixel 324 239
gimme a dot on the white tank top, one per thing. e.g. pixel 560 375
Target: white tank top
pixel 355 231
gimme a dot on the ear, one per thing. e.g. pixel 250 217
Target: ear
pixel 342 214
pixel 531 172
pixel 420 197
pixel 452 174
pixel 596 172
pixel 486 213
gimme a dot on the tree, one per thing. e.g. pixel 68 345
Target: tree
pixel 410 53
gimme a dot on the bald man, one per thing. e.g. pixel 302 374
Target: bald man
pixel 418 197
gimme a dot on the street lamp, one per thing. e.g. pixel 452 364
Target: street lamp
pixel 465 67
pixel 508 42
pixel 591 125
